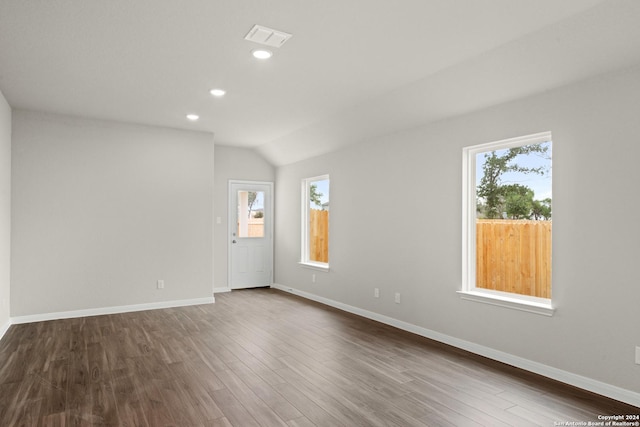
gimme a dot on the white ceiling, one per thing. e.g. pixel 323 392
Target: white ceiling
pixel 353 68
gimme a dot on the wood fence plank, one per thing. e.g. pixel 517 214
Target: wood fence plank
pixel 514 256
pixel 319 235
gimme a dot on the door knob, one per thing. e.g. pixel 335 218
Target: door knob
pixel 233 241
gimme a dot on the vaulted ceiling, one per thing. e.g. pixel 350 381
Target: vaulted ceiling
pixel 353 68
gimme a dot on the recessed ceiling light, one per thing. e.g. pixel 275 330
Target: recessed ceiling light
pixel 217 92
pixel 262 53
pixel 193 117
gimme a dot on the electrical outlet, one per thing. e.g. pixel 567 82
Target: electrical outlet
pixel 397 297
pixel 638 355
pixel 313 278
pixel 160 284
pixel 376 292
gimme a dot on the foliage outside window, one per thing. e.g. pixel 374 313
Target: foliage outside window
pixel 507 220
pixel 315 221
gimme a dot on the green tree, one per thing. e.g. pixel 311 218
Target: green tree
pixel 314 196
pixel 541 209
pixel 495 165
pixel 518 201
pixel 251 200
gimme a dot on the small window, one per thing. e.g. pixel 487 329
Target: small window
pixel 315 222
pixel 507 223
pixel 250 213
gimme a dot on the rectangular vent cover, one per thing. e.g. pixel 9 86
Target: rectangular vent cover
pixel 267 36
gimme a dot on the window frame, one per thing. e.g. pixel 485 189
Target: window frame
pixel 469 291
pixel 305 260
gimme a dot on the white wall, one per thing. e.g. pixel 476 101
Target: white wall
pixel 396 225
pixel 239 164
pixel 102 210
pixel 5 212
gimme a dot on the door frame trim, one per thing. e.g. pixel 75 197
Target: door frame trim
pixel 230 220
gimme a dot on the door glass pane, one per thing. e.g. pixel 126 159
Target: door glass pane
pixel 319 221
pixel 250 213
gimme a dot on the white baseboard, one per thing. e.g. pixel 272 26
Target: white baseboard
pixel 221 290
pixel 608 390
pixel 110 310
pixel 4 328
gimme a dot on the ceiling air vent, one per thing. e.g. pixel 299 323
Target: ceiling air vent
pixel 267 36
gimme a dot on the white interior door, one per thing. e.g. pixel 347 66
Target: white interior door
pixel 250 234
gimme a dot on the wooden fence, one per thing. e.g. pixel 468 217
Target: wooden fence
pixel 255 228
pixel 514 256
pixel 318 235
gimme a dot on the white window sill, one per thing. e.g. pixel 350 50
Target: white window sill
pixel 542 308
pixel 315 266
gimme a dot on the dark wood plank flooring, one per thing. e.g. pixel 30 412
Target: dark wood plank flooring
pixel 265 358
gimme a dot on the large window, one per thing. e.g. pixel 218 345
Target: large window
pixel 315 222
pixel 507 223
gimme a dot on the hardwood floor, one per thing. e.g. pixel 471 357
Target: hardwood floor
pixel 265 358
